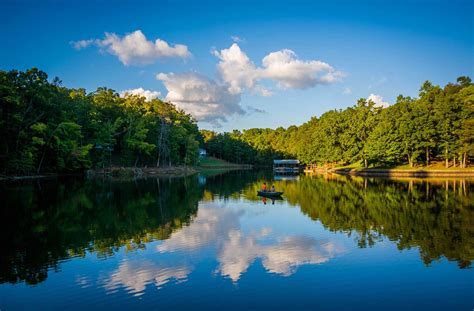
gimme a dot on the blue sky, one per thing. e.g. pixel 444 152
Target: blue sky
pixel 341 51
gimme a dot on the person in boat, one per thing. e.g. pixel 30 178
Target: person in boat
pixel 273 188
pixel 264 187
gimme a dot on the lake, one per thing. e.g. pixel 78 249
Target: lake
pixel 209 242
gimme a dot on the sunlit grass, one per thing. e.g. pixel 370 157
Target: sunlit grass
pixel 214 162
pixel 439 165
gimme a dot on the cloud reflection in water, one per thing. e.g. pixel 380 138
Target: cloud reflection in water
pixel 219 228
pixel 281 257
pixel 237 250
pixel 136 275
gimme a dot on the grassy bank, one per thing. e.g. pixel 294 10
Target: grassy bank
pixel 405 172
pixel 215 163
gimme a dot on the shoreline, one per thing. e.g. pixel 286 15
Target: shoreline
pixel 34 177
pixel 142 172
pixel 225 167
pixel 129 172
pixel 420 173
pixel 183 171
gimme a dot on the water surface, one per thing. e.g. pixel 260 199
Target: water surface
pixel 208 242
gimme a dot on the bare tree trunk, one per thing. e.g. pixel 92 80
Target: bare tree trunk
pixel 446 156
pixel 454 161
pixel 427 156
pixel 41 162
pixel 163 151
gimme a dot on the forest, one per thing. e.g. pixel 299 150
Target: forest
pixel 48 128
pixel 436 126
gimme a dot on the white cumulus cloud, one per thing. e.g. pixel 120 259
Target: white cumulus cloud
pixel 378 100
pixel 284 67
pixel 236 69
pixel 203 98
pixel 135 48
pixel 290 72
pixel 213 100
pixel 148 94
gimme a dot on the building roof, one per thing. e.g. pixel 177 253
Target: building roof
pixel 286 162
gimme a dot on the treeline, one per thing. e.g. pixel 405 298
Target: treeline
pixel 253 146
pixel 438 125
pixel 46 127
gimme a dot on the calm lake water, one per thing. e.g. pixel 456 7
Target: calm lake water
pixel 208 242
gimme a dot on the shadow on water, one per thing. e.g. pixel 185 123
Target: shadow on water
pixel 46 222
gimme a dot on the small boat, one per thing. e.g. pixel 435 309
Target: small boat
pixel 269 193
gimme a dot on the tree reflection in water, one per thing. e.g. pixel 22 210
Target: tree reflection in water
pixel 45 222
pixel 435 215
